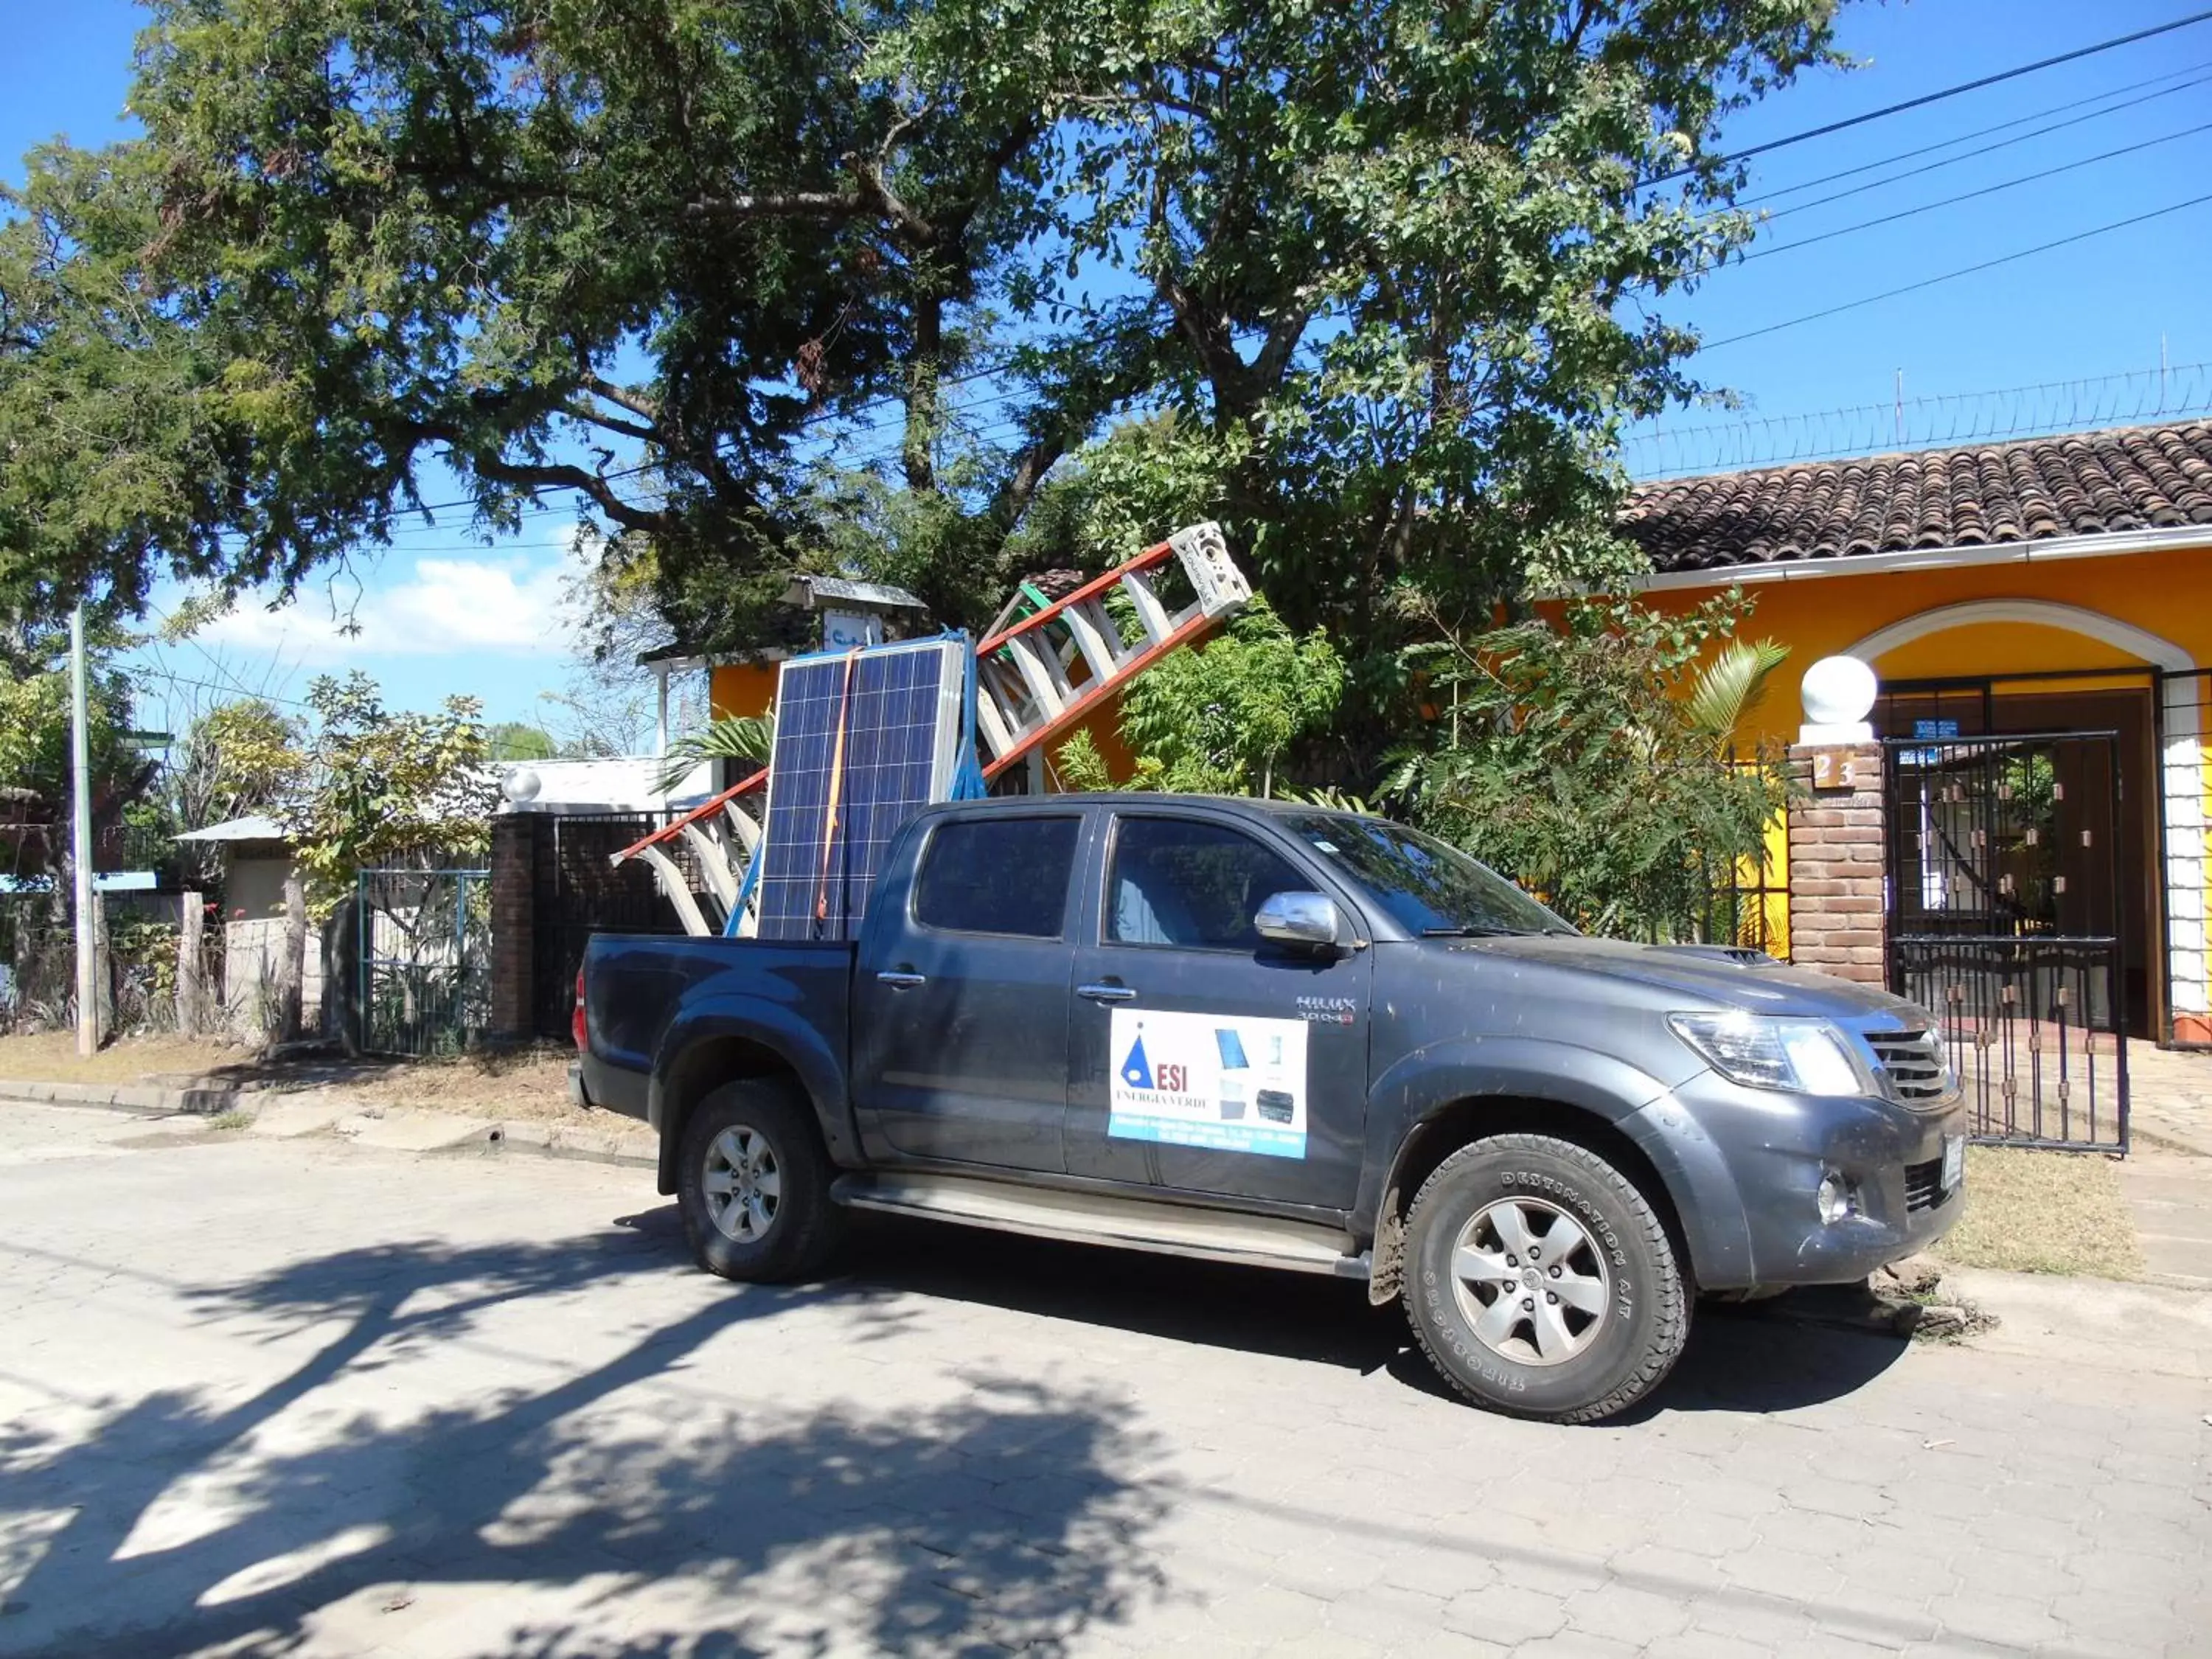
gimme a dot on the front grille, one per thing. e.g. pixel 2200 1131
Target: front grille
pixel 1923 1184
pixel 1913 1071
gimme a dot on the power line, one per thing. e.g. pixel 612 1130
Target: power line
pixel 1950 160
pixel 1971 195
pixel 1936 97
pixel 1950 276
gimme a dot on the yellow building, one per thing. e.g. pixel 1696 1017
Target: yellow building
pixel 2052 598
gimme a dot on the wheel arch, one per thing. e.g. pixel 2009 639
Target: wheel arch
pixel 710 1053
pixel 1435 1100
pixel 1461 1122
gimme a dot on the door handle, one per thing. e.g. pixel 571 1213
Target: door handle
pixel 1107 993
pixel 900 980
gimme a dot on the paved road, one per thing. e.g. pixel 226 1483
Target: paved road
pixel 261 1397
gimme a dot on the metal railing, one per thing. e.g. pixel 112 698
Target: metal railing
pixel 2034 1028
pixel 425 950
pixel 2003 918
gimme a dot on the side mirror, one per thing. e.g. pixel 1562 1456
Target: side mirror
pixel 1308 920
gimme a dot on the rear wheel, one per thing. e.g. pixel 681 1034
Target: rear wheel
pixel 1541 1281
pixel 753 1184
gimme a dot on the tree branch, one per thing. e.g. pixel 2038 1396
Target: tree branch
pixel 598 418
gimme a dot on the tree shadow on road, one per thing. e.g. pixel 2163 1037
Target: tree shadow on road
pixel 1759 1356
pixel 548 1517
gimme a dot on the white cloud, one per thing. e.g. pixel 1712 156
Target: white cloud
pixel 500 605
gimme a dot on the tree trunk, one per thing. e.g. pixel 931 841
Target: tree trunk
pixel 292 966
pixel 192 961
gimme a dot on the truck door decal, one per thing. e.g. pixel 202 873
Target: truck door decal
pixel 1230 1082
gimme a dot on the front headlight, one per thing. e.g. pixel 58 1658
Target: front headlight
pixel 1767 1051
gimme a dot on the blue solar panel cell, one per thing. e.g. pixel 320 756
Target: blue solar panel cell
pixel 833 808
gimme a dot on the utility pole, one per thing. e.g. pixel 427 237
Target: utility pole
pixel 88 978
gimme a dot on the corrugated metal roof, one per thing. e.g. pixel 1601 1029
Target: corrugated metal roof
pixel 838 587
pixel 254 826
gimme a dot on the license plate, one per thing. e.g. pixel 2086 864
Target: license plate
pixel 1955 1162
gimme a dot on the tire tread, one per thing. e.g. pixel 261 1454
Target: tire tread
pixel 816 1222
pixel 1671 1297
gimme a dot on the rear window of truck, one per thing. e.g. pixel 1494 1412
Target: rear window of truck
pixel 997 875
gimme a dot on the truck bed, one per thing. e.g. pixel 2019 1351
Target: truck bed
pixel 640 984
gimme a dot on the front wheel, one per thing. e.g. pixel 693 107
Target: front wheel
pixel 753 1184
pixel 1542 1281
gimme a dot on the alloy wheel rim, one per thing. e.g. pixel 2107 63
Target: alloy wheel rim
pixel 742 1185
pixel 1531 1281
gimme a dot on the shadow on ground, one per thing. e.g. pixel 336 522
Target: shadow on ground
pixel 185 1524
pixel 555 1521
pixel 1759 1356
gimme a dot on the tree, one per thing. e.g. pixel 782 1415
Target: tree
pixel 1591 759
pixel 1381 278
pixel 516 740
pixel 241 757
pixel 1218 720
pixel 369 787
pixel 35 766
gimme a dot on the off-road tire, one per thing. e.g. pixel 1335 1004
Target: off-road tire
pixel 1648 1314
pixel 806 1224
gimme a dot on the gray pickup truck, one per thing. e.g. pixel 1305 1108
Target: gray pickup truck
pixel 1266 1033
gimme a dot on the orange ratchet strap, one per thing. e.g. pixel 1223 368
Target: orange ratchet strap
pixel 836 786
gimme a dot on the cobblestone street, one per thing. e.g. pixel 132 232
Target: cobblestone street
pixel 262 1397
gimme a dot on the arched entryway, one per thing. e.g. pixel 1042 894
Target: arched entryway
pixel 2009 668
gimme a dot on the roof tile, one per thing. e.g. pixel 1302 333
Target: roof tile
pixel 2083 484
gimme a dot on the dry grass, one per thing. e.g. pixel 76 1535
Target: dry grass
pixel 2044 1213
pixel 50 1057
pixel 530 1083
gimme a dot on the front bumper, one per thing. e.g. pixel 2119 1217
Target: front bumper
pixel 1779 1147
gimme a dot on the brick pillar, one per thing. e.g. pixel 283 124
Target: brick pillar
pixel 1836 863
pixel 513 957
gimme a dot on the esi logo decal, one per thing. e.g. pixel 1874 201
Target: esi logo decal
pixel 1137 1070
pixel 1224 1082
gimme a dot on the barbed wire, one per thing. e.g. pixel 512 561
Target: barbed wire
pixel 2131 397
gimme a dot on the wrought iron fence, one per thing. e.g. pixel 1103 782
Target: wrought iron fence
pixel 2034 1029
pixel 425 951
pixel 2184 809
pixel 2003 918
pixel 577 890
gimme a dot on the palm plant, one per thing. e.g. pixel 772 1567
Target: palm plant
pixel 732 737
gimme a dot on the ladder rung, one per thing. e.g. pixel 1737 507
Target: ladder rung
pixel 1012 693
pixel 1095 637
pixel 998 736
pixel 1030 657
pixel 1150 610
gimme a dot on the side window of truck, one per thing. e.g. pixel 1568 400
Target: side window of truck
pixel 997 875
pixel 1181 882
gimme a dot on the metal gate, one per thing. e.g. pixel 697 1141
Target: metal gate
pixel 2004 906
pixel 425 947
pixel 577 890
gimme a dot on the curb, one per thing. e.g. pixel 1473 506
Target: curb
pixel 399 1129
pixel 141 1097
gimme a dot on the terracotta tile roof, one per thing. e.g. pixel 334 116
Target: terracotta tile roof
pixel 2084 484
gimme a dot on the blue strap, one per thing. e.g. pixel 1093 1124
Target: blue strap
pixel 968 777
pixel 746 889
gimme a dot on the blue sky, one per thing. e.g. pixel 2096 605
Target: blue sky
pixel 441 613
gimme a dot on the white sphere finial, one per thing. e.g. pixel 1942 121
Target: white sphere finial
pixel 521 785
pixel 1838 693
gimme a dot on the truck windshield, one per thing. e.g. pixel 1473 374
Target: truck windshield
pixel 1426 885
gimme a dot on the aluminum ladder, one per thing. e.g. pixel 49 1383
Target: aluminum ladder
pixel 1038 676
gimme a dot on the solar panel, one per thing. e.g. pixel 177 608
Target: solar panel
pixel 899 708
